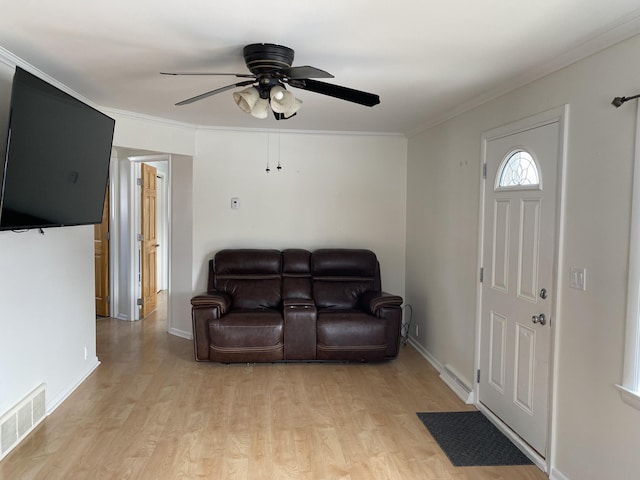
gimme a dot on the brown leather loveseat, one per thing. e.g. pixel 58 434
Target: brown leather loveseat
pixel 295 305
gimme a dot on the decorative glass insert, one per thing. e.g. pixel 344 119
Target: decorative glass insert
pixel 519 170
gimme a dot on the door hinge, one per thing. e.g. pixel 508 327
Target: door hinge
pixel 481 274
pixel 478 376
pixel 484 170
pixel 140 181
pixel 108 300
pixel 140 237
pixel 108 235
pixel 140 302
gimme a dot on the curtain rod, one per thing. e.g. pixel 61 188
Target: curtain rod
pixel 618 101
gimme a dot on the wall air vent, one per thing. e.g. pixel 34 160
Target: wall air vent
pixel 18 422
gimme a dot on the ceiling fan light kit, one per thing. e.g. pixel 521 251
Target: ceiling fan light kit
pixel 246 99
pixel 270 67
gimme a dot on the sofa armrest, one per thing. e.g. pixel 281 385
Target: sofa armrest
pixel 388 307
pixel 300 316
pixel 206 307
pixel 373 301
pixel 213 299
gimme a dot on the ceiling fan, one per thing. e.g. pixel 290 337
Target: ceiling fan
pixel 271 70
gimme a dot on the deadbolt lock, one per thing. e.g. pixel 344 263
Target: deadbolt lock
pixel 543 293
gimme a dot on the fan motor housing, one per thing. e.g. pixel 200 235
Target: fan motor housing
pixel 262 58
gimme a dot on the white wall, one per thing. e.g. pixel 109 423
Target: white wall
pixel 333 191
pixel 47 306
pixel 181 240
pixel 47 312
pixel 596 434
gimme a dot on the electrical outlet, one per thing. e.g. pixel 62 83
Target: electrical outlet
pixel 416 330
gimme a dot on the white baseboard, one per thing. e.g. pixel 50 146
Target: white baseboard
pixel 55 402
pixel 181 333
pixel 447 375
pixel 430 358
pixel 556 475
pixel 534 456
pixel 456 382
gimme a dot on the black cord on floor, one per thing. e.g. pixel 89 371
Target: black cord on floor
pixel 405 326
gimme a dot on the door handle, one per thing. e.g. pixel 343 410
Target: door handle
pixel 541 319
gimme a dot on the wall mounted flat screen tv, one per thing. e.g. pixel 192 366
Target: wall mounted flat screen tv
pixel 56 165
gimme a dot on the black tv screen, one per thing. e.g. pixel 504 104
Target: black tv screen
pixel 56 165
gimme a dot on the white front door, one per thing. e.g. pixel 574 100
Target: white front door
pixel 519 238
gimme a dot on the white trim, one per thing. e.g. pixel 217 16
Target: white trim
pixel 630 388
pixel 465 393
pixel 629 396
pixel 133 226
pixel 428 357
pixel 560 115
pixel 150 118
pixel 13 61
pixel 557 475
pixel 61 397
pixel 456 382
pixel 616 32
pixel 114 232
pixel 524 447
pixel 180 333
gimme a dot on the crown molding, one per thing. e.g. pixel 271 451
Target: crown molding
pixel 14 61
pixel 614 33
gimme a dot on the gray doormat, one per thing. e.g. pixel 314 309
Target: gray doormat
pixel 470 439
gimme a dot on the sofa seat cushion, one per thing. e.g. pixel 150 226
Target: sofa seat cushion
pixel 350 335
pixel 253 335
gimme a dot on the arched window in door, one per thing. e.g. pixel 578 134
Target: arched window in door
pixel 518 170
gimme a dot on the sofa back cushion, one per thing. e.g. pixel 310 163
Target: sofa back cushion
pixel 340 276
pixel 251 276
pixel 296 274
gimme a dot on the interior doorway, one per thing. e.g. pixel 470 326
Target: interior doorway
pixel 175 231
pixel 150 218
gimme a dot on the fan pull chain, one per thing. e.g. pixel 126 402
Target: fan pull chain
pixel 268 152
pixel 279 167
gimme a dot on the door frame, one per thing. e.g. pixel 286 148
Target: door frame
pixel 135 224
pixel 560 115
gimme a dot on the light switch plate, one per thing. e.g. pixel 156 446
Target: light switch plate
pixel 578 278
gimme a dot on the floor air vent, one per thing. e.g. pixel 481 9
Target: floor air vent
pixel 18 422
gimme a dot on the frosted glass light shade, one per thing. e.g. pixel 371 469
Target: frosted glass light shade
pixel 260 108
pixel 295 106
pixel 281 100
pixel 246 99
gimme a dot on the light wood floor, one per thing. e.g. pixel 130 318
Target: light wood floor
pixel 151 412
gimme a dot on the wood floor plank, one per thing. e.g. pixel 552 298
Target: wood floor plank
pixel 150 412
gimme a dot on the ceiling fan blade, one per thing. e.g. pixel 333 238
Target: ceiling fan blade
pixel 239 75
pixel 214 92
pixel 305 71
pixel 343 93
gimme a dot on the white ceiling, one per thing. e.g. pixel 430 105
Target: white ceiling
pixel 425 58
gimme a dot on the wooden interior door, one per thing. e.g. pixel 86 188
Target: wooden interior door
pixel 149 242
pixel 101 252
